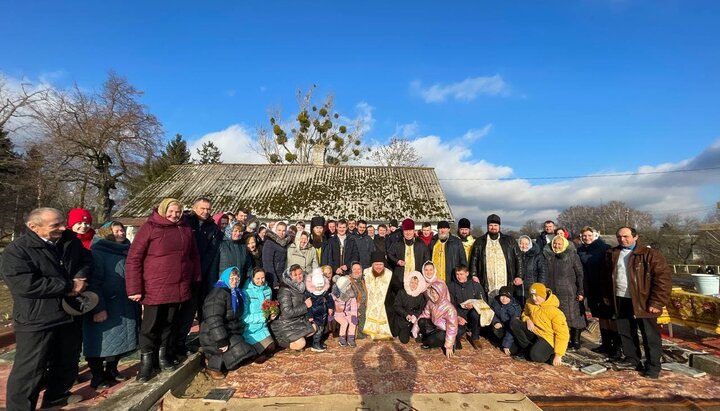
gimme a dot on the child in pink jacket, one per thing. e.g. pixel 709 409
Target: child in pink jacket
pixel 346 310
pixel 438 322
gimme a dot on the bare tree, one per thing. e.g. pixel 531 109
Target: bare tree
pixel 99 139
pixel 678 238
pixel 18 103
pixel 316 128
pixel 709 242
pixel 398 152
pixel 607 217
pixel 531 228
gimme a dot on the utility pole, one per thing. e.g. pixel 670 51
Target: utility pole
pixel 627 216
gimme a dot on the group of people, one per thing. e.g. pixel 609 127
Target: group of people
pixel 256 289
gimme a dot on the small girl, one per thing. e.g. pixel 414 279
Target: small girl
pixel 256 330
pixel 346 309
pixel 409 303
pixel 316 289
pixel 438 322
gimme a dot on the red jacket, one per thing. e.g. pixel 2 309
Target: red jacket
pixel 162 262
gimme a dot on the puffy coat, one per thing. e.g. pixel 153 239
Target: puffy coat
pixel 304 257
pixel 650 279
pixel 513 260
pixel 39 275
pixel 162 262
pixel 533 268
pixel 321 302
pixel 565 279
pixel 221 326
pixel 119 333
pixel 409 301
pixel 442 313
pixel 256 327
pixel 504 313
pixel 291 324
pixel 454 256
pixel 550 324
pixel 234 254
pixel 274 257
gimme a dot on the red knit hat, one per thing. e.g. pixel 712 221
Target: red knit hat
pixel 78 215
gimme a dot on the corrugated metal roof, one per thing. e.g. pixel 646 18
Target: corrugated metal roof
pixel 299 191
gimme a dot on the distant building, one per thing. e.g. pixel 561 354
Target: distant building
pixel 294 192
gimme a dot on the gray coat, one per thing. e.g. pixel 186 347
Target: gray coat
pixel 304 257
pixel 119 333
pixel 565 278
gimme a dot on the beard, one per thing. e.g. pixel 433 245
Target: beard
pixel 443 237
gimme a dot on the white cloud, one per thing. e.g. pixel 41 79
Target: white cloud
pixel 364 119
pixel 466 90
pixel 477 133
pixel 474 191
pixel 21 128
pixel 235 144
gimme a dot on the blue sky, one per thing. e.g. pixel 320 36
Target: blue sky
pixel 555 88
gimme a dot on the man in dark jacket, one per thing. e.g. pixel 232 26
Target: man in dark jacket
pixel 41 267
pixel 637 282
pixel 462 290
pixel 365 244
pixel 394 236
pixel 592 253
pixel 380 240
pixel 207 239
pixel 341 250
pixel 400 256
pixel 446 252
pixel 496 260
pixel 545 236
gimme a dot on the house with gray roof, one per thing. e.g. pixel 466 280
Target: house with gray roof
pixel 299 191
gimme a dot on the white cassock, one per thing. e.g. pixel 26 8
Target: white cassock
pixel 376 320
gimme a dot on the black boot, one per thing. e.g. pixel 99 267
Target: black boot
pixel 166 361
pixel 112 373
pixel 571 342
pixel 576 339
pixel 616 351
pixel 146 367
pixel 98 376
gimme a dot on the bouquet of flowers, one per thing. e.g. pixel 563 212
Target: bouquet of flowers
pixel 270 308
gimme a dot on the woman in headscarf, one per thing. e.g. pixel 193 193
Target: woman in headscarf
pixel 221 332
pixel 110 331
pixel 234 253
pixel 162 262
pixel 438 322
pixel 429 273
pixel 409 303
pixel 302 253
pixel 565 278
pixel 291 327
pixel 533 265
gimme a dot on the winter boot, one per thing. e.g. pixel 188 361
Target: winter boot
pixel 98 376
pixel 571 343
pixel 616 352
pixel 343 341
pixel 146 367
pixel 351 341
pixel 576 339
pixel 166 362
pixel 112 373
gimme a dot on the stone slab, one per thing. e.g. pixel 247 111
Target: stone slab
pixel 708 363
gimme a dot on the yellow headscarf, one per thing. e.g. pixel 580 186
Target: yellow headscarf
pixel 165 203
pixel 565 243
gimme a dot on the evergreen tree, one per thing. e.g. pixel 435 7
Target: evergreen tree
pixel 176 153
pixel 209 154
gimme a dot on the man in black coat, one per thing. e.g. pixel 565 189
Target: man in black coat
pixel 340 250
pixel 496 260
pixel 545 236
pixel 207 238
pixel 274 255
pixel 461 290
pixel 449 249
pixel 365 244
pixel 394 236
pixel 41 267
pixel 399 256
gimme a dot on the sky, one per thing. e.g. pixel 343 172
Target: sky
pixel 496 96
